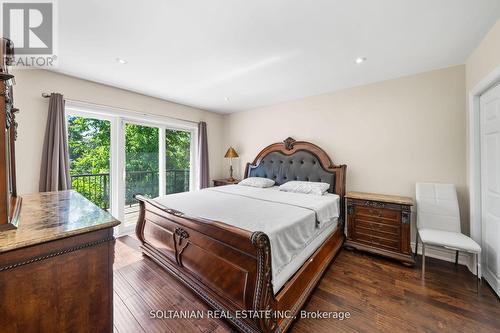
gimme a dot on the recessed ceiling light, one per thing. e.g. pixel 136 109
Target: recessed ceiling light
pixel 121 61
pixel 360 60
pixel 226 99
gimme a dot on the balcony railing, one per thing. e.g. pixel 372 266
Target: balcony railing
pixel 96 186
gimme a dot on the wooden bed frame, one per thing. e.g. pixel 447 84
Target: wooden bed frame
pixel 230 268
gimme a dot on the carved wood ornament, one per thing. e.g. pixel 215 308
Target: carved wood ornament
pixel 9 201
pixel 180 243
pixel 289 143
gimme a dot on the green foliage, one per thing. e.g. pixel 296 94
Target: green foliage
pixel 178 150
pixel 178 159
pixel 141 148
pixel 89 142
pixel 141 161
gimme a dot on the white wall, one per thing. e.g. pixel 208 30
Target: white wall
pixel 390 134
pixel 33 116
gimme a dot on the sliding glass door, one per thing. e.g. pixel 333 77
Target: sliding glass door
pixel 89 141
pixel 115 155
pixel 141 167
pixel 177 160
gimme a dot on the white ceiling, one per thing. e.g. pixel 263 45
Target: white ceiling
pixel 233 55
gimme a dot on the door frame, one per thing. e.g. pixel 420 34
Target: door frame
pixel 72 110
pixel 474 160
pixel 121 190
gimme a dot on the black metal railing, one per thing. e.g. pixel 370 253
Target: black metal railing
pixel 93 186
pixel 96 187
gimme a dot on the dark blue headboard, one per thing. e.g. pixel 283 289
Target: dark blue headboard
pixel 298 160
pixel 302 165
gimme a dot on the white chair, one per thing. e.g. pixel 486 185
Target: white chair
pixel 438 221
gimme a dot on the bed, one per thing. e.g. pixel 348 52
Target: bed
pixel 254 254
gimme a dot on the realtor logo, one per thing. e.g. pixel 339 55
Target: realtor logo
pixel 30 26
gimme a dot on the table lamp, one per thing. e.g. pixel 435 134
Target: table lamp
pixel 231 153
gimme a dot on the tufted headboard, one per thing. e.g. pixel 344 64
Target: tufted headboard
pixel 298 160
pixel 302 165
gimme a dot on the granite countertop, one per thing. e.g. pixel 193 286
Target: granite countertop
pixel 380 197
pixel 54 215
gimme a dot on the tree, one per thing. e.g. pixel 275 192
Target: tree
pixel 178 159
pixel 89 142
pixel 178 150
pixel 89 150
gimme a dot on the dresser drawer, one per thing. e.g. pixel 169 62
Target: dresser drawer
pixel 388 244
pixel 391 231
pixel 379 214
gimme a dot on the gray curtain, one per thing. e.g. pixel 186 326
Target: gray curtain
pixel 54 172
pixel 203 155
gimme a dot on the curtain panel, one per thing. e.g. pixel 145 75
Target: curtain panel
pixel 203 170
pixel 54 171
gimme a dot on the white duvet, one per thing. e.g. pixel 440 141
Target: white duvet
pixel 291 220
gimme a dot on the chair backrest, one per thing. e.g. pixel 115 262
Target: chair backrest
pixel 437 207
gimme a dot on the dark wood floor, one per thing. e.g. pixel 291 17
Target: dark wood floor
pixel 381 295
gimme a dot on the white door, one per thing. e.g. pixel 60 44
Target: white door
pixel 490 185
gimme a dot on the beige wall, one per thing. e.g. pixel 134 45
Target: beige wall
pixel 31 83
pixel 485 58
pixel 390 134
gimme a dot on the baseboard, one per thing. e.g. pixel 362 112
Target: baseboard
pixel 493 281
pixel 441 253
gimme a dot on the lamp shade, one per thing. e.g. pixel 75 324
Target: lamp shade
pixel 231 153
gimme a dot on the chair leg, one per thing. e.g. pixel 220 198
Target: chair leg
pixel 423 261
pixel 416 246
pixel 456 257
pixel 477 272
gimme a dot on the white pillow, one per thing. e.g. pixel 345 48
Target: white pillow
pixel 257 182
pixel 296 186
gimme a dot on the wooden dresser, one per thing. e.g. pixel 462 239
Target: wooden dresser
pixel 380 224
pixel 56 268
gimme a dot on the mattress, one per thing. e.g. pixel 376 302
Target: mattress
pixel 296 263
pixel 297 224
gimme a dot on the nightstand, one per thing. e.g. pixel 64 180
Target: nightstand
pixel 222 182
pixel 380 224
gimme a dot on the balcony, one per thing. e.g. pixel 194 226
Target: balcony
pixel 96 188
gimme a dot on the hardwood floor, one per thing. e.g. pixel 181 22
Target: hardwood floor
pixel 381 296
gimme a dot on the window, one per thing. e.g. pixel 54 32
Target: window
pixel 115 154
pixel 177 160
pixel 141 161
pixel 89 142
